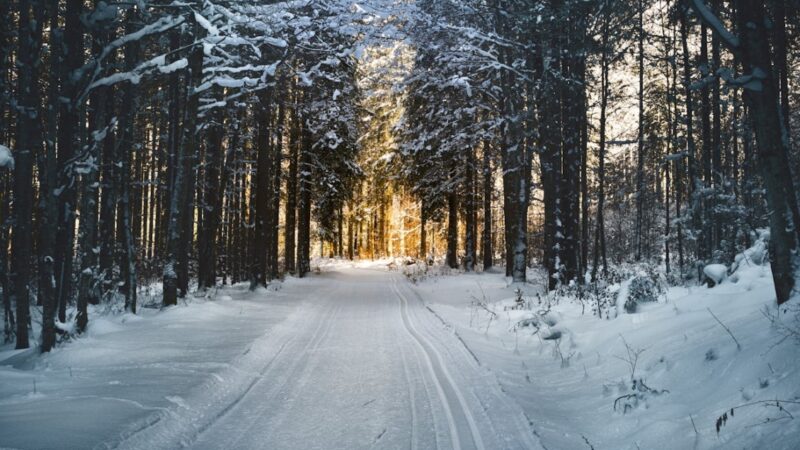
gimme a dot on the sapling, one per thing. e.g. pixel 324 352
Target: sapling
pixel 638 386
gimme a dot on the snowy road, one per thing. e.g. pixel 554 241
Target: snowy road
pixel 362 363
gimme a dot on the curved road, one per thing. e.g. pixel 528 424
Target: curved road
pixel 362 363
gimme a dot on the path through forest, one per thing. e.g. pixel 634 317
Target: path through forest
pixel 358 361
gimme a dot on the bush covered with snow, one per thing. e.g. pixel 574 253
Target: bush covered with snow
pixel 715 273
pixel 756 255
pixel 644 288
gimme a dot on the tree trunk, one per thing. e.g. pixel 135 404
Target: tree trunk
pixel 272 265
pixel 715 230
pixel 87 230
pixel 48 201
pixel 26 147
pixel 350 239
pixel 487 251
pixel 600 229
pixel 127 123
pixel 640 138
pixel 471 229
pixel 451 258
pixel 6 50
pixel 423 231
pixel 68 144
pixel 179 207
pixel 5 284
pixel 704 201
pixel 304 207
pixel 691 148
pixel 110 182
pixel 212 202
pixel 573 67
pixel 291 189
pixel 584 186
pixel 264 168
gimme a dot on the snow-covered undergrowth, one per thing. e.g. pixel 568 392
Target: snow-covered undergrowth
pixel 698 367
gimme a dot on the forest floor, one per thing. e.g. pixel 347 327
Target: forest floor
pixel 358 356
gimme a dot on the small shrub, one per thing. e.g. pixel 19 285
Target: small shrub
pixel 643 289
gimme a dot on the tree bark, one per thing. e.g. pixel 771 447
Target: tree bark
pixel 264 168
pixel 291 188
pixel 304 207
pixel 640 138
pixel 471 228
pixel 272 265
pixel 26 148
pixel 486 246
pixel 451 258
pixel 69 143
pixel 600 229
pixel 48 201
pixel 215 162
pixel 179 207
pixel 127 123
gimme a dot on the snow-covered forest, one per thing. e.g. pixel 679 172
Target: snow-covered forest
pixel 484 224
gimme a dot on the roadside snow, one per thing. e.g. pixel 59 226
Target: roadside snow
pixel 566 367
pixel 358 357
pixel 716 272
pixel 128 371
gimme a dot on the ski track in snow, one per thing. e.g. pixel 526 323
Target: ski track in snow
pixel 445 386
pixel 361 363
pixel 348 359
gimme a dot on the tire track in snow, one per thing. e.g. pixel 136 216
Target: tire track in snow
pixel 445 385
pixel 301 370
pixel 411 394
pixel 525 429
pixel 322 330
pixel 181 433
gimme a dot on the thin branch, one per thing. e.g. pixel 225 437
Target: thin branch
pixel 738 345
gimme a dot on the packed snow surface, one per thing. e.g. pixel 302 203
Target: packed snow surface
pixel 350 358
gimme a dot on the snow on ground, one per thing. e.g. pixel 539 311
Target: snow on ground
pixel 128 370
pixel 348 358
pixel 360 356
pixel 691 368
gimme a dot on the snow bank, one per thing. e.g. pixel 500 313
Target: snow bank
pixel 716 272
pixel 128 371
pixel 661 378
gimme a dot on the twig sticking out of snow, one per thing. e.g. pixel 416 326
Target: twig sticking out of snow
pixel 632 358
pixel 738 345
pixel 696 433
